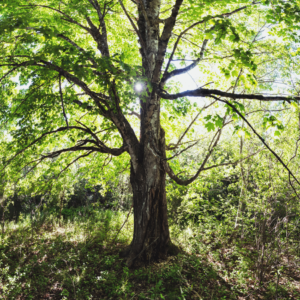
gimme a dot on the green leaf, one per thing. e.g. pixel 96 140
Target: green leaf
pixel 210 126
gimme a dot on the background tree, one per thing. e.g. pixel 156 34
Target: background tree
pixel 96 79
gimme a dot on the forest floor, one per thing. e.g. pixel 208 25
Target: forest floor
pixel 79 260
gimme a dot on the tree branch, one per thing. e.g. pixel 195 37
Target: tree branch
pixel 100 147
pixel 112 151
pixel 188 68
pixel 189 127
pixel 164 40
pixel 13 69
pixel 77 47
pixel 193 178
pixel 79 83
pixel 135 29
pixel 62 101
pixel 118 118
pixel 94 135
pixel 133 113
pixel 100 39
pixel 233 163
pixel 210 93
pixel 45 157
pixel 36 140
pixel 226 15
pixel 76 159
pixel 262 140
pixel 28 96
pixel 69 19
pixel 185 149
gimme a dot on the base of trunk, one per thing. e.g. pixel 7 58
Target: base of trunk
pixel 148 254
pixel 151 235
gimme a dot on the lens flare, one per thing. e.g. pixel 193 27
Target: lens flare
pixel 138 87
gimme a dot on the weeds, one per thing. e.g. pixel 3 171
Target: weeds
pixel 78 259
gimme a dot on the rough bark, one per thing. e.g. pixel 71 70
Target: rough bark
pixel 151 238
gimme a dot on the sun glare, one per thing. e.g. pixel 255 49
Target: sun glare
pixel 138 87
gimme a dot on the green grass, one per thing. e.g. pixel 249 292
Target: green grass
pixel 79 259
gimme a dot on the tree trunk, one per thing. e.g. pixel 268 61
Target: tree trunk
pixel 151 237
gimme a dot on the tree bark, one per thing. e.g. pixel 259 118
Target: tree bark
pixel 151 237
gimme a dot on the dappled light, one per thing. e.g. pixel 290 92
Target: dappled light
pixel 149 149
pixel 79 259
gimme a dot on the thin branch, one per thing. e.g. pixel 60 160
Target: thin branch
pixel 76 159
pixel 81 104
pixel 192 26
pixel 135 29
pixel 180 152
pixel 233 163
pixel 123 224
pixel 78 82
pixel 112 127
pixel 189 127
pixel 133 113
pixel 60 12
pixel 193 178
pixel 77 47
pixel 30 96
pixel 13 69
pixel 171 145
pixel 188 68
pixel 62 102
pixel 237 80
pixel 293 186
pixel 262 140
pixel 94 135
pixel 296 150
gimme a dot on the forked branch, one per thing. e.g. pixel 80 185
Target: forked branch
pixel 99 147
pixel 188 128
pixel 193 178
pixel 188 68
pixel 226 15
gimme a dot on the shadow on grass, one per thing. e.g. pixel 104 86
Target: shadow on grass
pixel 80 261
pixel 63 263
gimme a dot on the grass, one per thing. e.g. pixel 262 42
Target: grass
pixel 79 260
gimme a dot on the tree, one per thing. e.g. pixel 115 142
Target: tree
pixel 86 66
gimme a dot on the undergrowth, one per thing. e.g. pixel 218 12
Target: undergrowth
pixel 77 258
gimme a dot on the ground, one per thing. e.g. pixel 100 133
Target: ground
pixel 79 259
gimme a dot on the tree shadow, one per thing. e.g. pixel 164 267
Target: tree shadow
pixel 60 263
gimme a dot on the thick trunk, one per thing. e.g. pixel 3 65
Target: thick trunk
pixel 151 231
pixel 151 238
